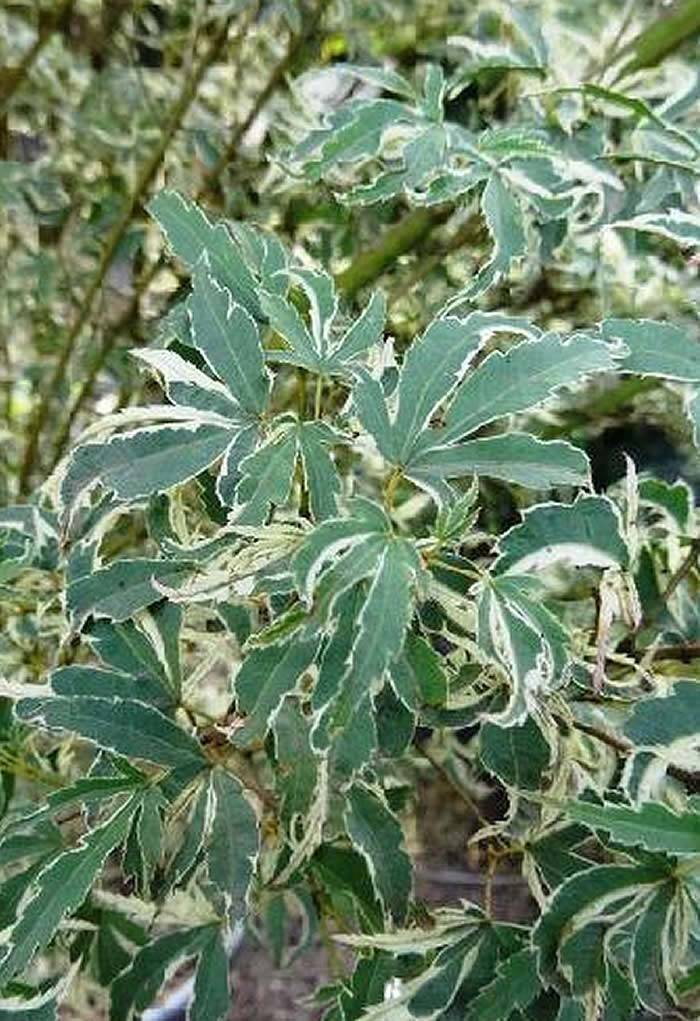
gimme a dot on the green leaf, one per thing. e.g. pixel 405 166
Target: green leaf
pixel 519 756
pixel 232 843
pixel 190 234
pixel 377 835
pixel 266 478
pixel 651 950
pixel 119 725
pixel 583 533
pixel 138 985
pixel 136 464
pixel 211 999
pixel 384 78
pixel 42 1006
pixel 288 323
pixel 527 374
pixel 188 386
pixel 505 223
pixel 652 825
pixel 297 764
pixel 579 901
pixel 516 985
pixel 364 333
pixel 664 731
pixel 513 457
pixel 227 337
pixel 676 225
pixel 389 598
pixel 122 589
pixel 525 640
pixel 433 366
pixel 59 889
pixel 319 468
pixel 675 501
pixel 267 676
pixel 654 349
pixel 418 674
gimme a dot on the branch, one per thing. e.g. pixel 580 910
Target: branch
pixel 624 747
pixel 395 242
pixel 13 77
pixel 667 33
pixel 112 337
pixel 147 173
pixel 296 45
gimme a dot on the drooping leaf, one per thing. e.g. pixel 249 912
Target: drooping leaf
pixel 664 731
pixel 586 532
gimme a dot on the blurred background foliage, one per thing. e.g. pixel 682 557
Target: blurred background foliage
pixel 103 103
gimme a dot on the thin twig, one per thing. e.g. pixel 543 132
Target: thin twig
pixel 45 31
pixel 146 175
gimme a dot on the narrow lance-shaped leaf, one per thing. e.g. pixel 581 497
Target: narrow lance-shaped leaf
pixel 513 457
pixel 232 843
pixel 267 676
pixel 211 996
pixel 431 369
pixel 123 588
pixel 187 385
pixel 525 375
pixel 227 337
pixel 124 727
pixel 654 349
pixel 137 986
pixel 676 225
pixel 652 951
pixel 377 835
pixel 266 478
pixel 515 986
pixel 651 826
pixel 60 889
pixel 190 233
pixel 505 222
pixel 136 464
pixel 577 901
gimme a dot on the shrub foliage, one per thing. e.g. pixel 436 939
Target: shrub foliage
pixel 345 539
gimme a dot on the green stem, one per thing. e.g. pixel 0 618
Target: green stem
pixel 318 397
pixel 656 42
pixel 395 242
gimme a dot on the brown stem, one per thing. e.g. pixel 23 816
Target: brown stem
pixel 207 191
pixel 683 653
pixel 276 78
pixel 14 77
pixel 146 175
pixel 624 747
